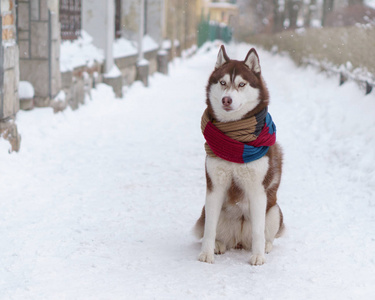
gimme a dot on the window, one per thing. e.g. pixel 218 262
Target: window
pixel 118 19
pixel 70 19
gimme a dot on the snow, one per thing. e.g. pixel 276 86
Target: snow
pixel 148 44
pixel 99 203
pixel 370 3
pixel 162 52
pixel 25 90
pixel 143 62
pixel 60 97
pixel 189 52
pixel 80 52
pixel 123 47
pixel 113 73
pixel 167 44
pixel 9 43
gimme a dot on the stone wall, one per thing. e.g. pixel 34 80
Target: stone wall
pixel 129 19
pixel 9 74
pixel 39 41
pixel 128 66
pixel 77 83
pixel 153 22
pixel 181 23
pixel 152 58
pixel 9 77
pixel 9 103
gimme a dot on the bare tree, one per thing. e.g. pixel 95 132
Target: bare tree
pixel 293 7
pixel 310 12
pixel 278 16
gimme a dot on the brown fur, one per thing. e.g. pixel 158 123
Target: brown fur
pixel 274 155
pixel 208 182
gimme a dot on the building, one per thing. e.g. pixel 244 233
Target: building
pixel 222 11
pixel 181 18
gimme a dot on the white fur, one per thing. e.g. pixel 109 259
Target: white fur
pixel 250 178
pixel 244 99
pixel 220 59
pixel 253 62
pixel 275 180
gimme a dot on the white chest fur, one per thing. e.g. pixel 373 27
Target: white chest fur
pixel 247 176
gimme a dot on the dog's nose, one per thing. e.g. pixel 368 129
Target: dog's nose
pixel 227 101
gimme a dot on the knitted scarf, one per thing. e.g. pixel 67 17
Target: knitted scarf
pixel 240 141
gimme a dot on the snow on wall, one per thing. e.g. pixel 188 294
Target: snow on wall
pixel 80 52
pixel 25 90
pixel 123 47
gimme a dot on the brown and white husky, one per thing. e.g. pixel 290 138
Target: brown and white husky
pixel 240 209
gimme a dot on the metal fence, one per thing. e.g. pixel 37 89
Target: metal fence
pixel 210 31
pixel 70 19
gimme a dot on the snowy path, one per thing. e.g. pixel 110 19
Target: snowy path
pixel 100 202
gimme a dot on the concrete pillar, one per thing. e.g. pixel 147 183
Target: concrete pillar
pixel 141 29
pixel 98 19
pixel 143 67
pixel 163 58
pixel 110 34
pixel 9 74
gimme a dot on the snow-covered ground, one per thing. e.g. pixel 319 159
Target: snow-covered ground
pixel 100 202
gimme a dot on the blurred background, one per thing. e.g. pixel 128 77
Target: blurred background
pixel 73 44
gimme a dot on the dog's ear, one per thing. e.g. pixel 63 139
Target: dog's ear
pixel 222 57
pixel 252 61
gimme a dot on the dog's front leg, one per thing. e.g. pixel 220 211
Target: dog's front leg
pixel 214 203
pixel 258 204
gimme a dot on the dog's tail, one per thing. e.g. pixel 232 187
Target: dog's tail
pixel 281 231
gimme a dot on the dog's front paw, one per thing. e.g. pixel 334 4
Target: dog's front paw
pixel 207 257
pixel 220 247
pixel 257 259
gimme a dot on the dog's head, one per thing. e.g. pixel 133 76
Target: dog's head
pixel 236 88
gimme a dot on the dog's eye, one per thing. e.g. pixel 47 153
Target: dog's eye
pixel 223 82
pixel 242 84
